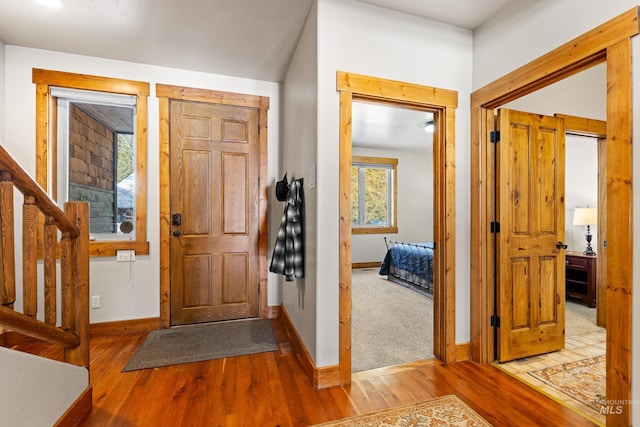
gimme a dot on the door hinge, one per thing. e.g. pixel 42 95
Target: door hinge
pixel 495 227
pixel 494 136
pixel 495 320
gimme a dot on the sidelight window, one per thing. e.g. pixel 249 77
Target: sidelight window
pixel 91 145
pixel 96 158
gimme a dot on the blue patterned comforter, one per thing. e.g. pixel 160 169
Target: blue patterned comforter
pixel 416 258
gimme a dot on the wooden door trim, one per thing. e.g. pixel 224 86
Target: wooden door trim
pixel 442 103
pixel 583 126
pixel 610 43
pixel 165 93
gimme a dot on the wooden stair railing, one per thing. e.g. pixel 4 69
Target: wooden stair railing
pixel 73 226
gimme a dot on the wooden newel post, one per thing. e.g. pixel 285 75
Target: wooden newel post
pixel 78 213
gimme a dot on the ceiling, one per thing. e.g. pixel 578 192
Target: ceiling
pixel 381 126
pixel 244 38
pixel 461 13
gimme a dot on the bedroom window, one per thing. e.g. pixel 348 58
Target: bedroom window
pixel 373 195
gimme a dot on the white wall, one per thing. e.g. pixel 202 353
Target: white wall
pixel 360 38
pixel 583 95
pixel 299 153
pixel 525 30
pixel 414 199
pixel 127 291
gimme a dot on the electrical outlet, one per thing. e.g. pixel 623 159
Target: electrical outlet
pixel 126 256
pixel 95 301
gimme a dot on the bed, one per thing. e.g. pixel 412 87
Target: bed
pixel 410 265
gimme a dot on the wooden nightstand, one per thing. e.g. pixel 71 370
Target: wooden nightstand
pixel 580 277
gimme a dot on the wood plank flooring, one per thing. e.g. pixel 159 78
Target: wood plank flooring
pixel 270 389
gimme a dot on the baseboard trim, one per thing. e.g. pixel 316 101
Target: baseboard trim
pixel 122 327
pixel 77 411
pixel 463 352
pixel 325 377
pixel 274 311
pixel 373 264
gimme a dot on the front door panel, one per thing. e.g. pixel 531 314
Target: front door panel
pixel 214 169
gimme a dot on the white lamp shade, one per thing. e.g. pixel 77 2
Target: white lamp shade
pixel 585 216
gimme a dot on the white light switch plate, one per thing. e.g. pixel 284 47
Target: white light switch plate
pixel 312 177
pixel 95 301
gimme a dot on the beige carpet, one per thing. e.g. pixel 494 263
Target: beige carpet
pixel 442 411
pixel 391 324
pixel 583 380
pixel 579 319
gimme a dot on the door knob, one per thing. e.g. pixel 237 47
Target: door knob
pixel 176 233
pixel 561 245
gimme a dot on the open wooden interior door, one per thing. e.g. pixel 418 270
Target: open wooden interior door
pixel 530 305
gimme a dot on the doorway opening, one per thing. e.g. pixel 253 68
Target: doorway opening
pixel 392 235
pixel 609 43
pixel 442 103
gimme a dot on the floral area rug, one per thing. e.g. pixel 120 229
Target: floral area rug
pixel 442 411
pixel 583 380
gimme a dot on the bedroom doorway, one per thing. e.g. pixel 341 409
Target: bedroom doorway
pixel 442 103
pixel 392 198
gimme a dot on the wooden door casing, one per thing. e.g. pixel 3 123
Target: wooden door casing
pixel 530 199
pixel 214 170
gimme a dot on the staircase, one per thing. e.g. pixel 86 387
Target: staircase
pixel 43 392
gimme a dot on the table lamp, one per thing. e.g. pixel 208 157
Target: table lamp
pixel 588 217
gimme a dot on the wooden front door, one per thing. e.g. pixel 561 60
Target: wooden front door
pixel 214 170
pixel 530 211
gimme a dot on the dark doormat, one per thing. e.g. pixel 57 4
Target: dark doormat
pixel 196 343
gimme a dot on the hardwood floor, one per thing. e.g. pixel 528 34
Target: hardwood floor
pixel 270 389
